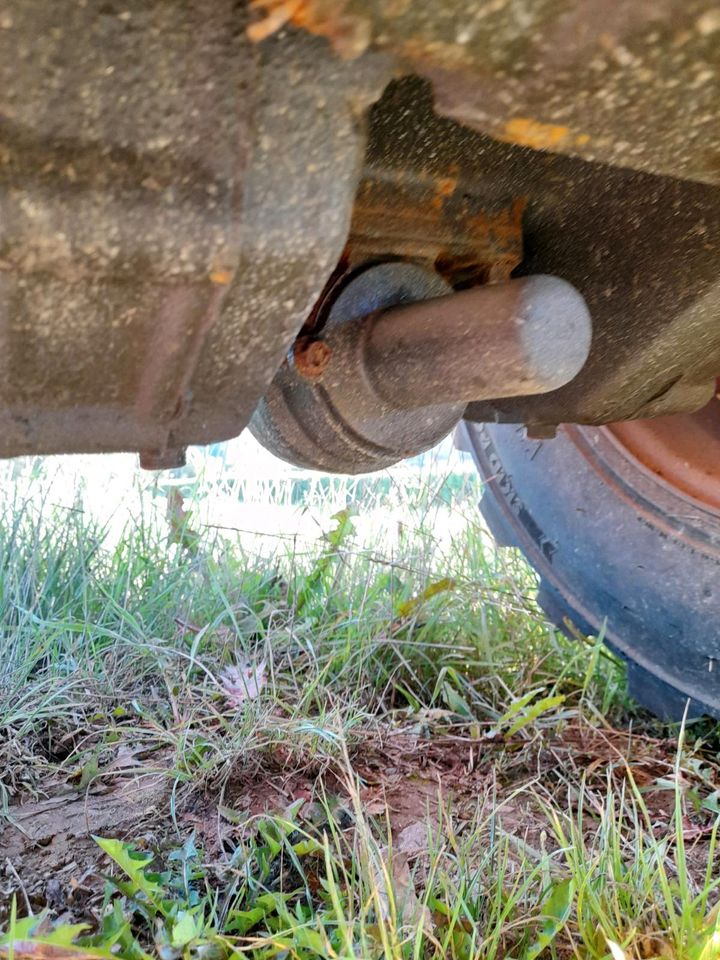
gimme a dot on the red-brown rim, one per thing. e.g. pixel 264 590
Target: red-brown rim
pixel 682 450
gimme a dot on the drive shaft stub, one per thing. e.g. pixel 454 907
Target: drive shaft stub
pixel 404 355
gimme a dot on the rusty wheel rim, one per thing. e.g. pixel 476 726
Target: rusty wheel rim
pixel 682 451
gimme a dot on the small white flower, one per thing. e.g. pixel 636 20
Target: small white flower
pixel 243 682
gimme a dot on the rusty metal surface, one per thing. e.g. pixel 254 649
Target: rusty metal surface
pixel 338 422
pixel 176 201
pixel 311 357
pixel 634 83
pixel 172 200
pixel 642 249
pixel 400 355
pixel 421 198
pixel 683 451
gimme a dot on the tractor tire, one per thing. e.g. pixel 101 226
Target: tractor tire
pixel 620 552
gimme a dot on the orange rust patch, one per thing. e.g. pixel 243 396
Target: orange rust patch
pixel 426 218
pixel 311 357
pixel 348 33
pixel 446 186
pixel 275 14
pixel 221 277
pixel 532 133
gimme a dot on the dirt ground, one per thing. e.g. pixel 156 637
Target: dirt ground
pixel 49 859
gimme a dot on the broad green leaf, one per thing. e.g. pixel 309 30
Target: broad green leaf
pixel 32 936
pixel 306 846
pixel 116 929
pixel 711 802
pixel 188 851
pixel 184 929
pixel 266 832
pixel 556 910
pixel 709 946
pixel 134 863
pixel 454 701
pixel 344 527
pixel 41 929
pixel 312 940
pixel 241 921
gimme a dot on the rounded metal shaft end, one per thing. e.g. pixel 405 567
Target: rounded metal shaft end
pixel 528 336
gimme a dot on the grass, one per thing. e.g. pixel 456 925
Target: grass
pixel 360 742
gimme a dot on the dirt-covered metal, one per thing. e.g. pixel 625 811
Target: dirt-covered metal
pixel 173 197
pixel 400 355
pixel 634 83
pixel 642 249
pixel 182 184
pixel 339 421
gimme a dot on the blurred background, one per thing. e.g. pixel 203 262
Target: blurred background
pixel 240 489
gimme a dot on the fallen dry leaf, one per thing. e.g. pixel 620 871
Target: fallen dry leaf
pixel 409 911
pixel 413 839
pixel 373 801
pixel 34 950
pixel 243 682
pixel 177 517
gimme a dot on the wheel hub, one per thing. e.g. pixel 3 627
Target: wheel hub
pixel 682 450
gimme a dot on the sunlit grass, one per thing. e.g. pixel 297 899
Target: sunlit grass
pixel 374 611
